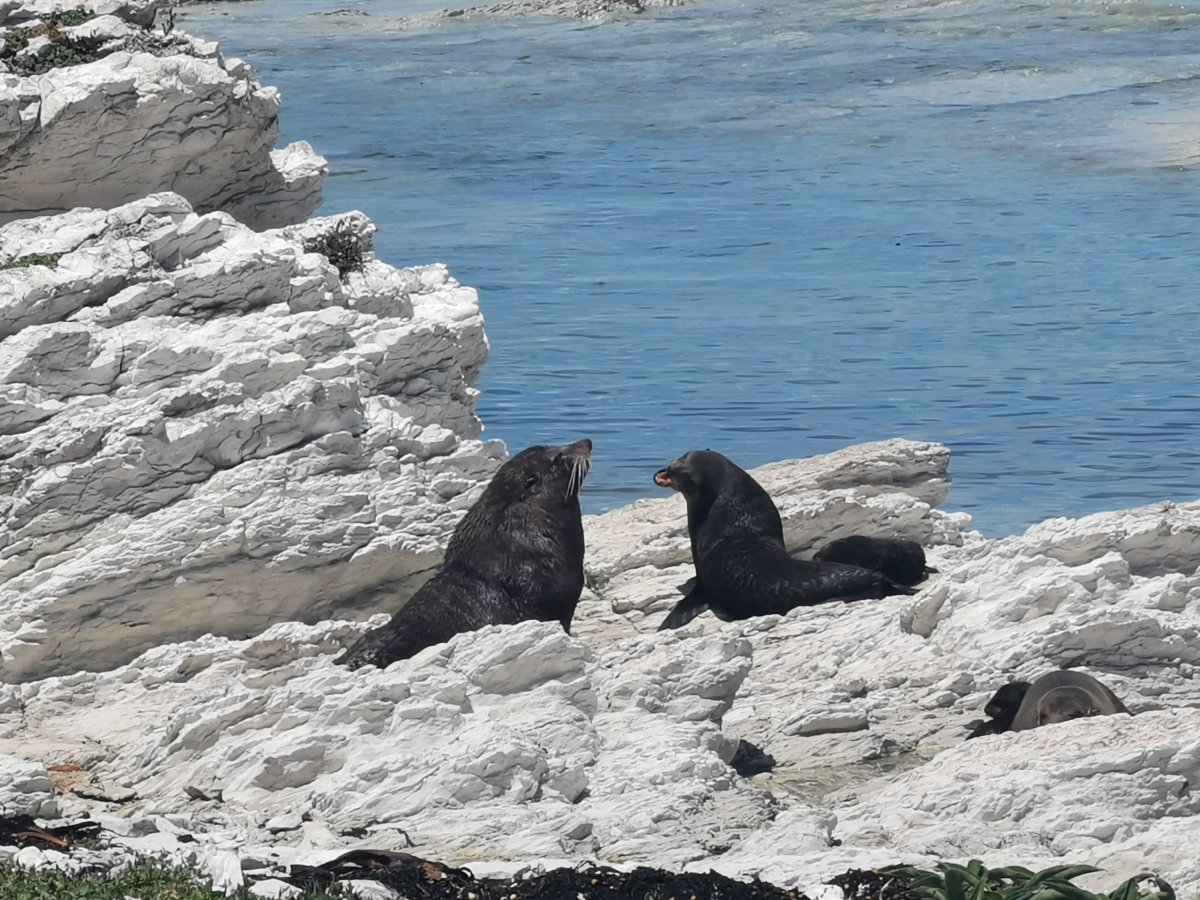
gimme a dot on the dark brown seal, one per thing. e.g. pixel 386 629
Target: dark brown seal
pixel 1064 695
pixel 1002 708
pixel 900 560
pixel 516 555
pixel 742 566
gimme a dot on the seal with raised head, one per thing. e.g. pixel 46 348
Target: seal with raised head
pixel 1064 695
pixel 516 555
pixel 1002 709
pixel 901 560
pixel 742 566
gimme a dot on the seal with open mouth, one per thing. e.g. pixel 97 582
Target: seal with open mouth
pixel 516 555
pixel 742 566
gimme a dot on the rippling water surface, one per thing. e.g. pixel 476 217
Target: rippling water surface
pixel 778 228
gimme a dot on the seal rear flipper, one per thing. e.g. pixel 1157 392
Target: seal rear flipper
pixel 452 601
pixel 895 587
pixel 688 608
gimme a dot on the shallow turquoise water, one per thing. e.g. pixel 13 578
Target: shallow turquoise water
pixel 775 229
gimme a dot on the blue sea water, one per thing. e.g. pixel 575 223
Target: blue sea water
pixel 779 228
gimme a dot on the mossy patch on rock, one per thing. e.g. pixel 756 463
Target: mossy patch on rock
pixel 66 49
pixel 49 260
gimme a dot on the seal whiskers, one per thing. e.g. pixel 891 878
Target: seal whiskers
pixel 580 467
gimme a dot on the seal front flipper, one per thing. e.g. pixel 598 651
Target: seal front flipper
pixel 984 727
pixel 688 608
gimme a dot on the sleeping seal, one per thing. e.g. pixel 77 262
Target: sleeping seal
pixel 1064 695
pixel 742 566
pixel 900 560
pixel 516 555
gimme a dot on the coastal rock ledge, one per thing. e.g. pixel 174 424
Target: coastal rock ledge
pixel 206 429
pixel 110 109
pixel 522 746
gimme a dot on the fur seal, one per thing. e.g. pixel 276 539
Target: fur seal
pixel 1064 695
pixel 1002 708
pixel 900 560
pixel 742 566
pixel 516 555
pixel 750 760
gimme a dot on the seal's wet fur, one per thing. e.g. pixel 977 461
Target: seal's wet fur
pixel 900 560
pixel 742 566
pixel 516 555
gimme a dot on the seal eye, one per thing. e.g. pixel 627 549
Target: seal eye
pixel 531 481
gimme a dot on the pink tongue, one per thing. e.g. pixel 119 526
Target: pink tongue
pixel 662 480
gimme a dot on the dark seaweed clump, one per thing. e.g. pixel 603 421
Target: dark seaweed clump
pixel 341 246
pixel 871 884
pixel 415 877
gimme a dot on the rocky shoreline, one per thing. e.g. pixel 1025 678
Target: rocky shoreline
pixel 231 440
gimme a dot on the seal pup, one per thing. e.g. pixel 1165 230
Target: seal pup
pixel 1064 695
pixel 900 560
pixel 742 566
pixel 516 555
pixel 1002 709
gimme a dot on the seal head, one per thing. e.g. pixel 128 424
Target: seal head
pixel 1062 696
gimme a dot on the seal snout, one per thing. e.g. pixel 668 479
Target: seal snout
pixel 580 448
pixel 663 478
pixel 580 456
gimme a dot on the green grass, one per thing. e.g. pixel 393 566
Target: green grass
pixel 146 881
pixel 975 881
pixel 64 50
pixel 34 259
pixel 76 16
pixel 17 39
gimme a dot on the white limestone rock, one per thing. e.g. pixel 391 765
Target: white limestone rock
pixel 25 788
pixel 494 745
pixel 520 745
pixel 155 112
pixel 203 429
